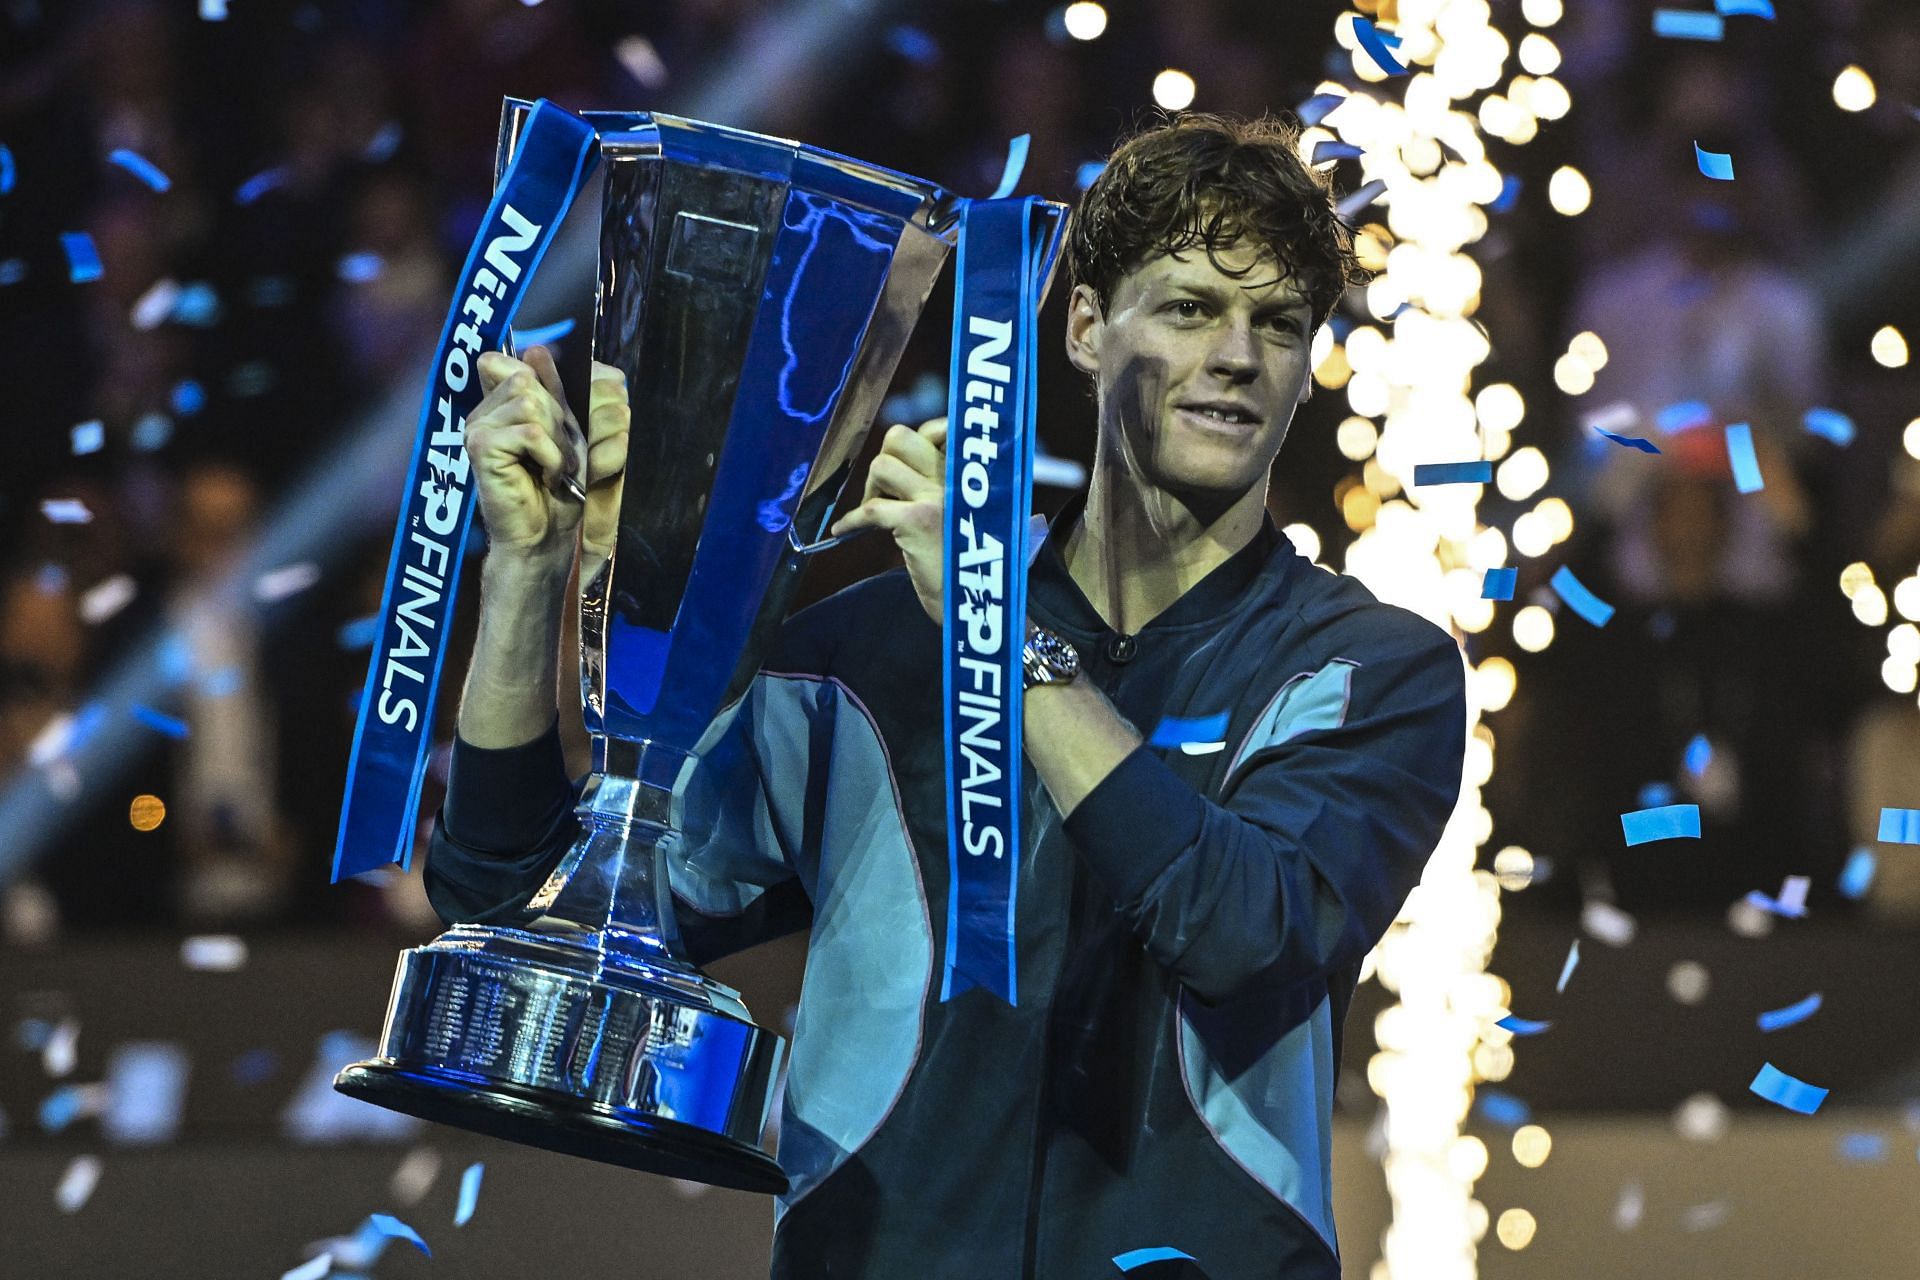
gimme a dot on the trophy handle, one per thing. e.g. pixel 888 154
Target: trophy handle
pixel 807 549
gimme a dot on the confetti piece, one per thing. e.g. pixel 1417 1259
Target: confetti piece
pixel 278 584
pixel 642 61
pixel 1510 188
pixel 1608 923
pixel 1857 876
pixel 254 1065
pixel 66 511
pixel 213 10
pixel 359 634
pixel 359 268
pixel 77 1184
pixel 1900 826
pixel 1792 901
pixel 83 260
pixel 1798 1012
pixel 259 184
pixel 1829 424
pixel 1522 1026
pixel 1453 473
pixel 160 722
pixel 1174 730
pixel 523 339
pixel 61 1051
pixel 142 168
pixel 1579 599
pixel 1566 970
pixel 65 1105
pixel 1628 1208
pixel 155 305
pixel 1377 48
pixel 1684 24
pixel 391 1227
pixel 6 169
pixel 1746 8
pixel 1631 442
pixel 13 271
pixel 1498 584
pixel 913 44
pixel 1655 794
pixel 189 398
pixel 1141 1257
pixel 151 432
pixel 1359 198
pixel 107 598
pixel 469 1194
pixel 1705 1217
pixel 1746 467
pixel 1668 822
pixel 1860 1148
pixel 1084 176
pixel 1015 166
pixel 383 144
pixel 1502 1108
pixel 1318 107
pixel 415 1175
pixel 1699 754
pixel 88 437
pixel 1683 415
pixel 214 952
pixel 1777 1087
pixel 1715 164
pixel 1333 149
pixel 312 1269
pixel 145 1089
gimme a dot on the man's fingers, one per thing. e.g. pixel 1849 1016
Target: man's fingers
pixel 874 513
pixel 934 432
pixel 495 367
pixel 918 452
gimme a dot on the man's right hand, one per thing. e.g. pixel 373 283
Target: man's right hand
pixel 522 438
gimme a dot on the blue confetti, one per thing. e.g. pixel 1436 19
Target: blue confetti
pixel 151 432
pixel 1746 467
pixel 1174 730
pixel 6 169
pixel 1632 442
pixel 1699 754
pixel 160 722
pixel 1717 165
pixel 1141 1257
pixel 1668 822
pixel 1655 794
pixel 1359 198
pixel 1333 149
pixel 1453 473
pixel 1862 1147
pixel 359 634
pixel 524 339
pixel 1684 24
pixel 913 44
pixel 89 437
pixel 50 579
pixel 1318 107
pixel 66 511
pixel 1566 970
pixel 198 306
pixel 469 1193
pixel 394 1229
pixel 1015 166
pixel 1683 416
pixel 1857 876
pixel 1522 1026
pixel 1377 47
pixel 259 184
pixel 61 1107
pixel 1084 176
pixel 1829 424
pixel 1498 584
pixel 254 1066
pixel 83 260
pixel 1800 1011
pixel 1900 826
pixel 1502 1108
pixel 1747 8
pixel 1579 599
pixel 189 398
pixel 142 168
pixel 13 271
pixel 383 144
pixel 358 268
pixel 1509 196
pixel 1777 1087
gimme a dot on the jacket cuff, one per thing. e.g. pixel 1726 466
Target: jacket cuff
pixel 506 800
pixel 1133 825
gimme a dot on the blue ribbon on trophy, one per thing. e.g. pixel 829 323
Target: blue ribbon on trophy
pixel 394 733
pixel 1007 249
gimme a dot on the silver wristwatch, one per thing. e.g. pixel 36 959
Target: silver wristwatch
pixel 1047 658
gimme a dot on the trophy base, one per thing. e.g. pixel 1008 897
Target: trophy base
pixel 577 1045
pixel 554 1122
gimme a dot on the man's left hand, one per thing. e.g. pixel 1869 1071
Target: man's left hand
pixel 906 496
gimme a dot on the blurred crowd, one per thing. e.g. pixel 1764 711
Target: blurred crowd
pixel 328 164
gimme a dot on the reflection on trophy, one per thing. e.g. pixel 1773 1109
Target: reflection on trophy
pixel 758 295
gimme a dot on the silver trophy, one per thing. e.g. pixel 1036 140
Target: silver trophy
pixel 758 295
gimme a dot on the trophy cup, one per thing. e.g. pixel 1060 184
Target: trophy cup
pixel 758 295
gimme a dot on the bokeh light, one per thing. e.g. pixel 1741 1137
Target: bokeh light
pixel 1853 90
pixel 1085 20
pixel 1173 90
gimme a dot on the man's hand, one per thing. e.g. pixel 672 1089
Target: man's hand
pixel 523 438
pixel 906 496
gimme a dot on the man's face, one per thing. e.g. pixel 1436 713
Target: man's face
pixel 1198 371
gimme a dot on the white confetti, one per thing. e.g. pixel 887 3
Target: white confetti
pixel 312 1269
pixel 1608 923
pixel 89 437
pixel 418 1168
pixel 1628 1208
pixel 156 304
pixel 106 598
pixel 641 61
pixel 214 952
pixel 62 1049
pixel 278 584
pixel 77 1184
pixel 66 511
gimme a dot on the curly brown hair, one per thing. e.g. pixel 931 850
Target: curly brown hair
pixel 1203 179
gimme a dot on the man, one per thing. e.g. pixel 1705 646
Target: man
pixel 1191 920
